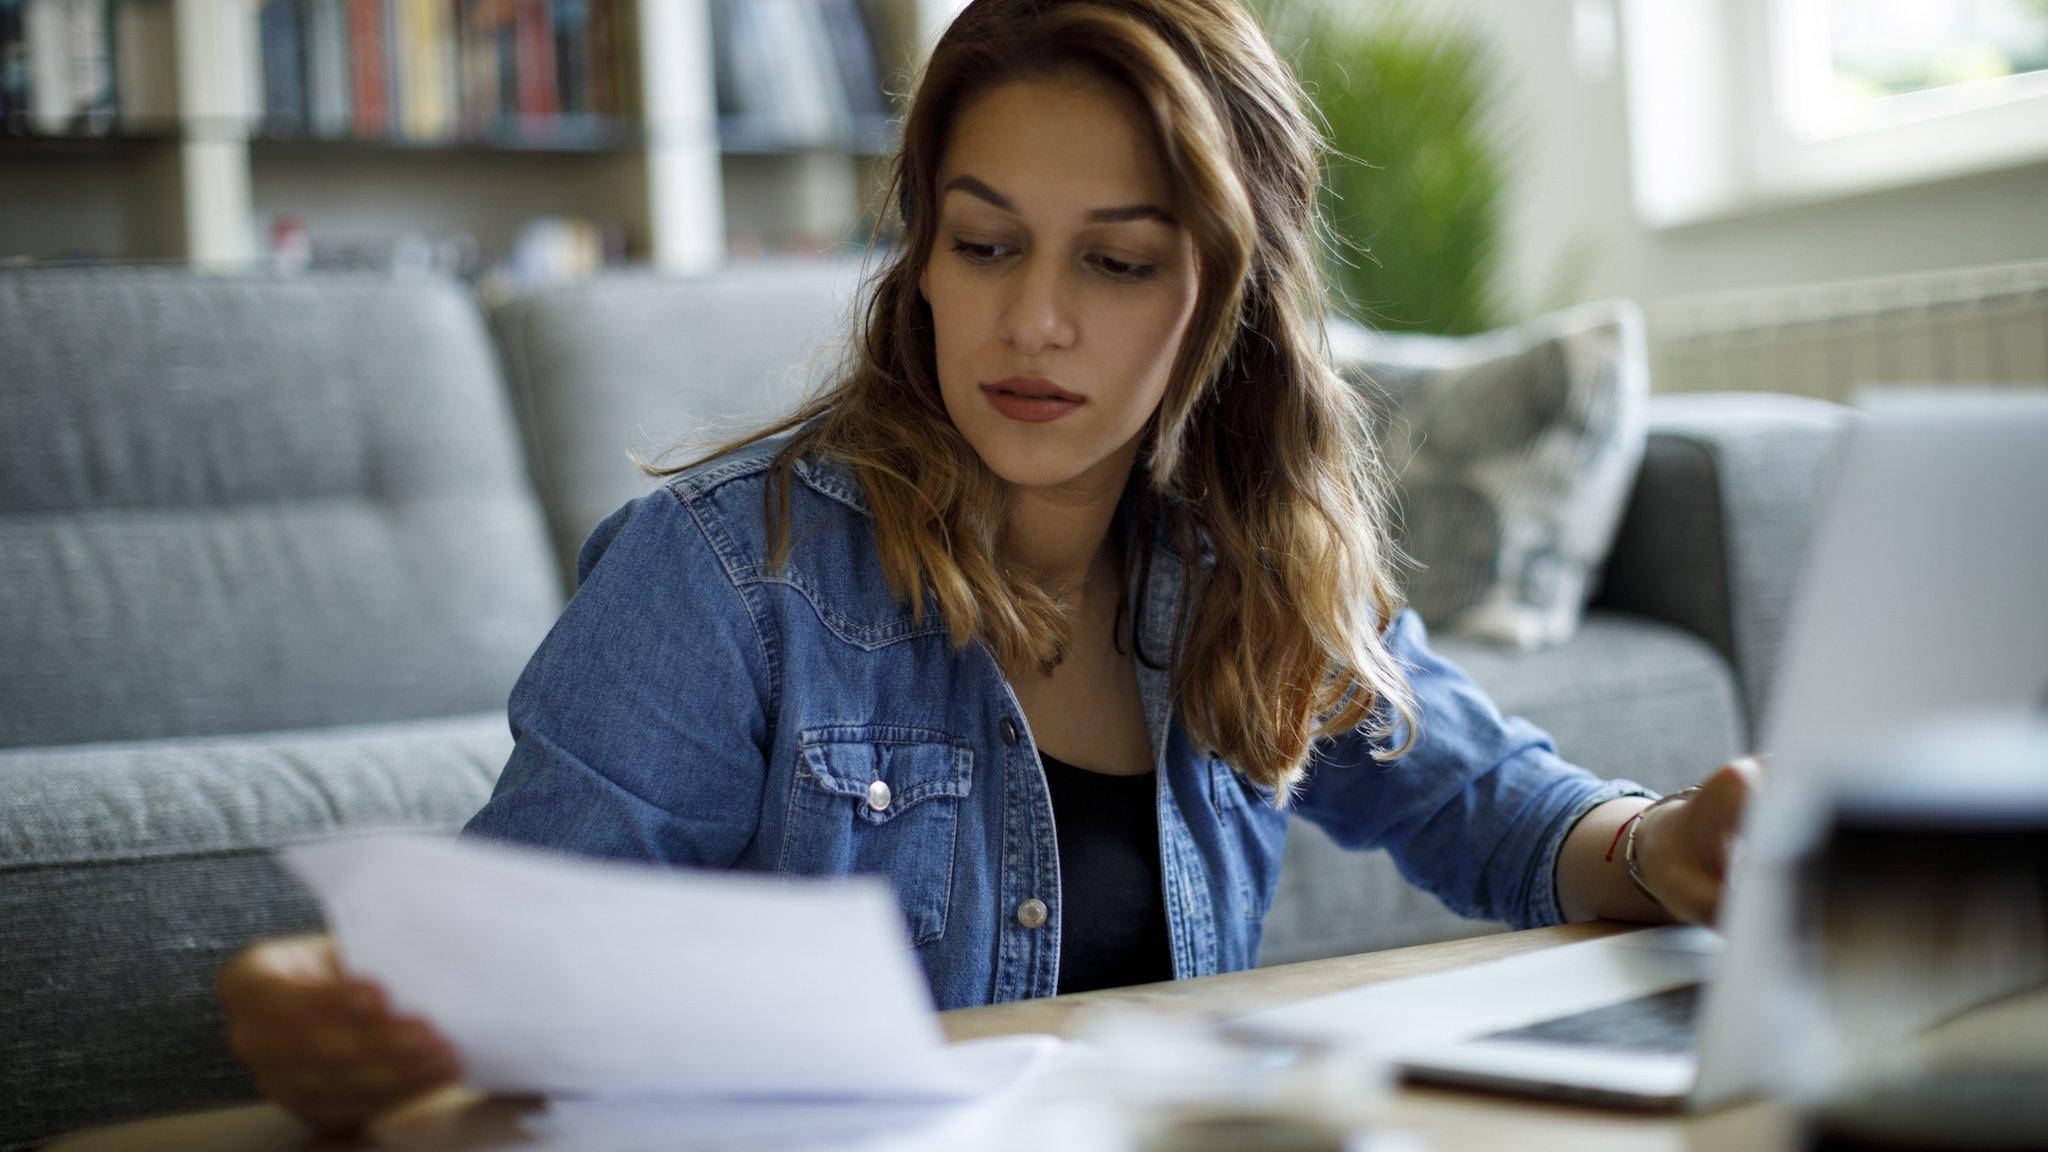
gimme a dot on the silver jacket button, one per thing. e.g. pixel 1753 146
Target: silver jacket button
pixel 878 795
pixel 1031 913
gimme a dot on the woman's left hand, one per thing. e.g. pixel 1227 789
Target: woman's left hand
pixel 1683 847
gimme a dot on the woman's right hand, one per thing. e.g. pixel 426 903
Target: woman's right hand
pixel 323 1044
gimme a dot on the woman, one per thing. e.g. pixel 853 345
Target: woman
pixel 1088 539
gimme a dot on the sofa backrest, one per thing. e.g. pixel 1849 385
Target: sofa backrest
pixel 244 504
pixel 641 362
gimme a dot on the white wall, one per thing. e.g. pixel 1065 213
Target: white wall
pixel 1572 229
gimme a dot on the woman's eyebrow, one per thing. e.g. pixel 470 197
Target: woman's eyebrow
pixel 1119 214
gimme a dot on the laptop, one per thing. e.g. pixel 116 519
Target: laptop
pixel 1925 596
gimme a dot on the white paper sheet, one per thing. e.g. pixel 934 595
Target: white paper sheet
pixel 566 976
pixel 1011 1067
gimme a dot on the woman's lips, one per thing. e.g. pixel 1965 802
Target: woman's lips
pixel 1051 403
pixel 1034 386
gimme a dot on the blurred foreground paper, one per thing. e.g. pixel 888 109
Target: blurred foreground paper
pixel 1024 1114
pixel 566 976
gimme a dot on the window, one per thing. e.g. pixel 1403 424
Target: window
pixel 1854 65
pixel 1741 104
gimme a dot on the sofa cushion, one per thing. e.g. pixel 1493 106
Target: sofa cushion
pixel 1626 696
pixel 1513 453
pixel 237 504
pixel 640 362
pixel 130 871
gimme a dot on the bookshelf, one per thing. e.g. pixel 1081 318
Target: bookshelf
pixel 683 173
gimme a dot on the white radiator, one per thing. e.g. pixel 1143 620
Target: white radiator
pixel 1972 326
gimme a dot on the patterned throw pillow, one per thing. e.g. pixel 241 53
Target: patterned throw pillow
pixel 1513 453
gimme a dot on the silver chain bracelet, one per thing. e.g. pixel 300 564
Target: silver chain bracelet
pixel 1628 853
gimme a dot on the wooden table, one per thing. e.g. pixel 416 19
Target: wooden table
pixel 1443 1118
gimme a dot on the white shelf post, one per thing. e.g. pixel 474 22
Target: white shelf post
pixel 216 104
pixel 685 183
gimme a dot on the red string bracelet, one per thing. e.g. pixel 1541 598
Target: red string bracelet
pixel 1637 815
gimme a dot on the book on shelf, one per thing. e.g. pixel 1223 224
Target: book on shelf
pixel 327 67
pixel 539 82
pixel 788 73
pixel 444 69
pixel 13 62
pixel 282 48
pixel 417 36
pixel 483 27
pixel 795 72
pixel 56 66
pixel 369 75
pixel 145 64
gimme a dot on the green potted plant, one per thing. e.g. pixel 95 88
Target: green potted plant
pixel 1413 193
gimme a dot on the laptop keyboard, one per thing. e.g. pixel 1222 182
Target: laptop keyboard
pixel 1661 1022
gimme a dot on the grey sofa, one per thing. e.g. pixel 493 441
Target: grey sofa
pixel 272 552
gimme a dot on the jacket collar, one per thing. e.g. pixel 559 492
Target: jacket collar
pixel 838 480
pixel 1160 599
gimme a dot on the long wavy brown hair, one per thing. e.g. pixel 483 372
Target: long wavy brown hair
pixel 1259 460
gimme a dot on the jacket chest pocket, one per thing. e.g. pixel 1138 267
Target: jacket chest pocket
pixel 884 800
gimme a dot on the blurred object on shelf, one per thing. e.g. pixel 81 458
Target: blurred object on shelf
pixel 552 249
pixel 547 250
pixel 291 246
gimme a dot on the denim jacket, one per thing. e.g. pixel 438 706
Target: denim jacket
pixel 693 707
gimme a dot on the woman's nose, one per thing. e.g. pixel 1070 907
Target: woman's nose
pixel 1038 315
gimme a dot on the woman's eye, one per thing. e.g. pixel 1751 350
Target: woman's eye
pixel 975 253
pixel 1124 270
pixel 1115 269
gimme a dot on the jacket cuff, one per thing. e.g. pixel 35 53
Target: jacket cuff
pixel 1543 907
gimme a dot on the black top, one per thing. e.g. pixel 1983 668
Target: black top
pixel 1112 911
